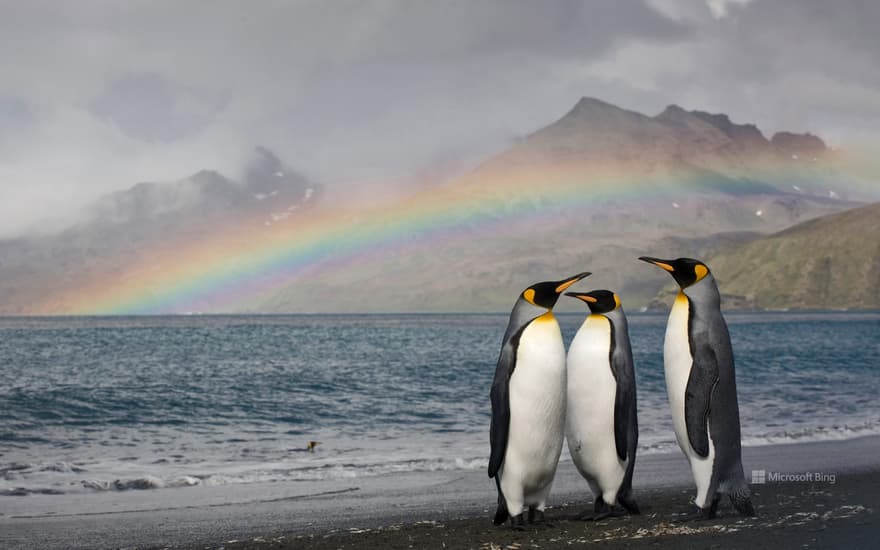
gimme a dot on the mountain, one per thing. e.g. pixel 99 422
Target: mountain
pixel 124 227
pixel 797 146
pixel 691 162
pixel 207 195
pixel 594 129
pixel 591 191
pixel 832 262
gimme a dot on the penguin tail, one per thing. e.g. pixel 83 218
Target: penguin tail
pixel 629 504
pixel 741 500
pixel 501 514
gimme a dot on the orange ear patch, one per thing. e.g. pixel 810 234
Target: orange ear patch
pixel 701 271
pixel 529 295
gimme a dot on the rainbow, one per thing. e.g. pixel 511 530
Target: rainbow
pixel 245 264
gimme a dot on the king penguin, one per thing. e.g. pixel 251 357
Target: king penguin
pixel 528 404
pixel 701 385
pixel 601 425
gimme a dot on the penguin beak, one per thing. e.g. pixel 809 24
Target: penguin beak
pixel 585 296
pixel 662 264
pixel 570 281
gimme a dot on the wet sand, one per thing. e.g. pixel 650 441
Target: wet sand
pixel 790 515
pixel 453 510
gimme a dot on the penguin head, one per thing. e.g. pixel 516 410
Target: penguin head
pixel 685 271
pixel 600 301
pixel 545 294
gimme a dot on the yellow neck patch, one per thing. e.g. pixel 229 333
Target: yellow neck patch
pixel 546 317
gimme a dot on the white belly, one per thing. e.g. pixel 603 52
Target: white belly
pixel 537 416
pixel 590 409
pixel 677 363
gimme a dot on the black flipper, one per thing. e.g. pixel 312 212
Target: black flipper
pixel 698 395
pixel 498 430
pixel 500 400
pixel 622 369
pixel 500 424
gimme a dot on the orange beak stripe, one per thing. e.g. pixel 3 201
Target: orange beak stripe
pixel 561 288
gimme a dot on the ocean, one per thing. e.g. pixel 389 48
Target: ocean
pixel 110 404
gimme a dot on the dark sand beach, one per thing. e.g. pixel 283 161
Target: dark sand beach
pixel 795 515
pixel 452 510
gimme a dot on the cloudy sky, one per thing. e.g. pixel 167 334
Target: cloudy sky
pixel 97 96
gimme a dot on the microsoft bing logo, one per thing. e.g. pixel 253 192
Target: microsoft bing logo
pixel 760 477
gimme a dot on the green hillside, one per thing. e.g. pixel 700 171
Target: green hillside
pixel 831 262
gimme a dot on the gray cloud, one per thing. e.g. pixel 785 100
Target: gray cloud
pixel 802 65
pixel 14 114
pixel 148 107
pixel 100 95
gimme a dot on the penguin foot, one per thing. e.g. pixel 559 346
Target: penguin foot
pixel 711 511
pixel 518 523
pixel 742 504
pixel 707 513
pixel 702 514
pixel 629 505
pixel 601 510
pixel 537 517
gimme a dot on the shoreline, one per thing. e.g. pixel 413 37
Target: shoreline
pixel 343 512
pixel 804 515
